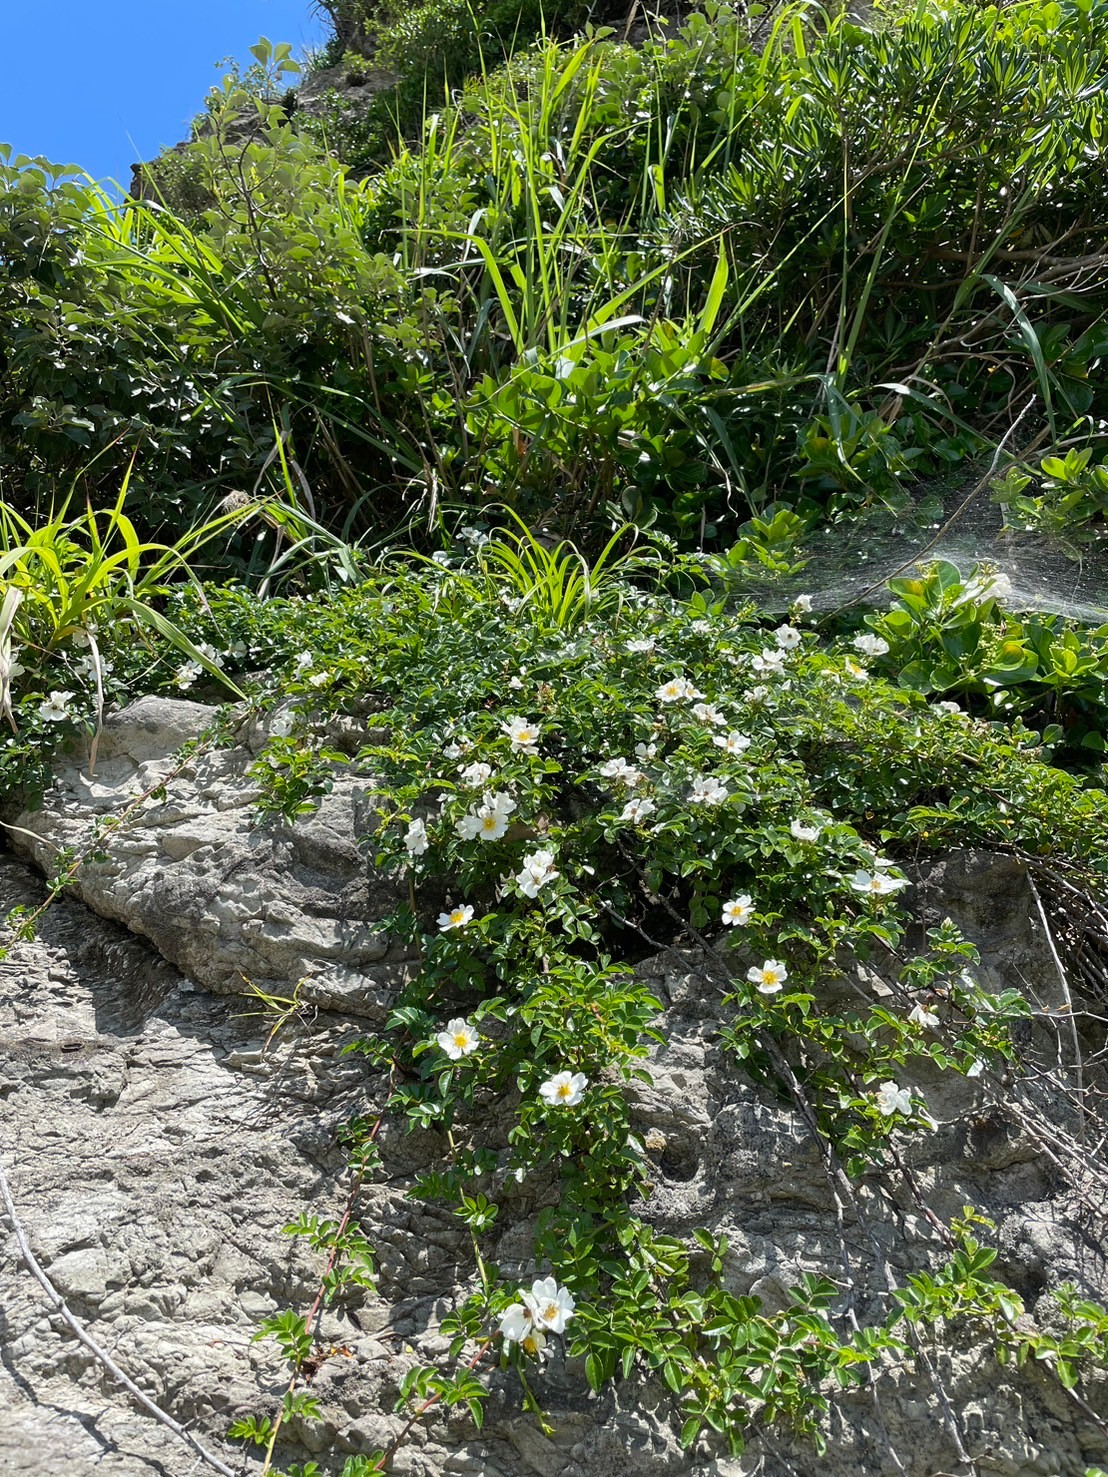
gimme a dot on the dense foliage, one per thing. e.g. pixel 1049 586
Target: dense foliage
pixel 759 261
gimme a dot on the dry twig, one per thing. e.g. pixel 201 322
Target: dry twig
pixel 85 1338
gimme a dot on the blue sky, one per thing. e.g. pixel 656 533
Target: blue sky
pixel 103 83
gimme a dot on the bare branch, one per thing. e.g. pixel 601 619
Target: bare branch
pixel 59 1305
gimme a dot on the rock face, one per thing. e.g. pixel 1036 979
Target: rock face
pixel 157 1141
pixel 228 900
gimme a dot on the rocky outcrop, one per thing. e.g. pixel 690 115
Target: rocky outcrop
pixel 157 1141
pixel 348 89
pixel 229 900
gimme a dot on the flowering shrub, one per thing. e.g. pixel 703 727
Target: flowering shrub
pixel 567 802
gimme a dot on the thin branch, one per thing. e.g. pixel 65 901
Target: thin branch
pixel 1079 1067
pixel 90 1343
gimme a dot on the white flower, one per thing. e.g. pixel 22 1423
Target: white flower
pixel 919 1015
pixel 303 662
pixel 186 674
pixel 551 1306
pixel 636 811
pixel 440 556
pixel 524 735
pixel 515 684
pixel 870 645
pixel 877 884
pixel 238 649
pixel 645 751
pixel 456 918
pixel 282 725
pixel 534 1343
pixel 770 660
pixel 855 669
pixel 538 869
pixel 622 770
pixel 517 1323
pixel 788 637
pixel 455 751
pixel 489 821
pixel 707 790
pixel 739 911
pixel 708 713
pixel 674 690
pixel 986 587
pixel 474 536
pixel 486 825
pixel 475 775
pixel 319 679
pixel 55 708
pixel 645 644
pixel 205 648
pixel 952 708
pixel 564 1089
pixel 459 1038
pixel 758 694
pixel 769 978
pixel 415 838
pixel 802 604
pixel 732 743
pixel 801 832
pixel 892 1099
pixel 999 587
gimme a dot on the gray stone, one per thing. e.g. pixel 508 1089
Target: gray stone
pixel 233 902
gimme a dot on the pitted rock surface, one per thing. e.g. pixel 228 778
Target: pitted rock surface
pixel 229 900
pixel 156 1145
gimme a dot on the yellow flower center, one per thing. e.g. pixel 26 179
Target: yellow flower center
pixel 461 1039
pixel 564 1089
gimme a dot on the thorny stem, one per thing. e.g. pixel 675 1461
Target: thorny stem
pixel 316 1310
pixel 482 1270
pixel 432 1400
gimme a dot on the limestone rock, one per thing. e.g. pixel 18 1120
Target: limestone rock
pixel 229 900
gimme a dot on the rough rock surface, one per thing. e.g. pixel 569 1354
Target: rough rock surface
pixel 347 88
pixel 156 1146
pixel 228 900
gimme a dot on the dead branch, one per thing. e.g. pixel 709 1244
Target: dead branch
pixel 85 1338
